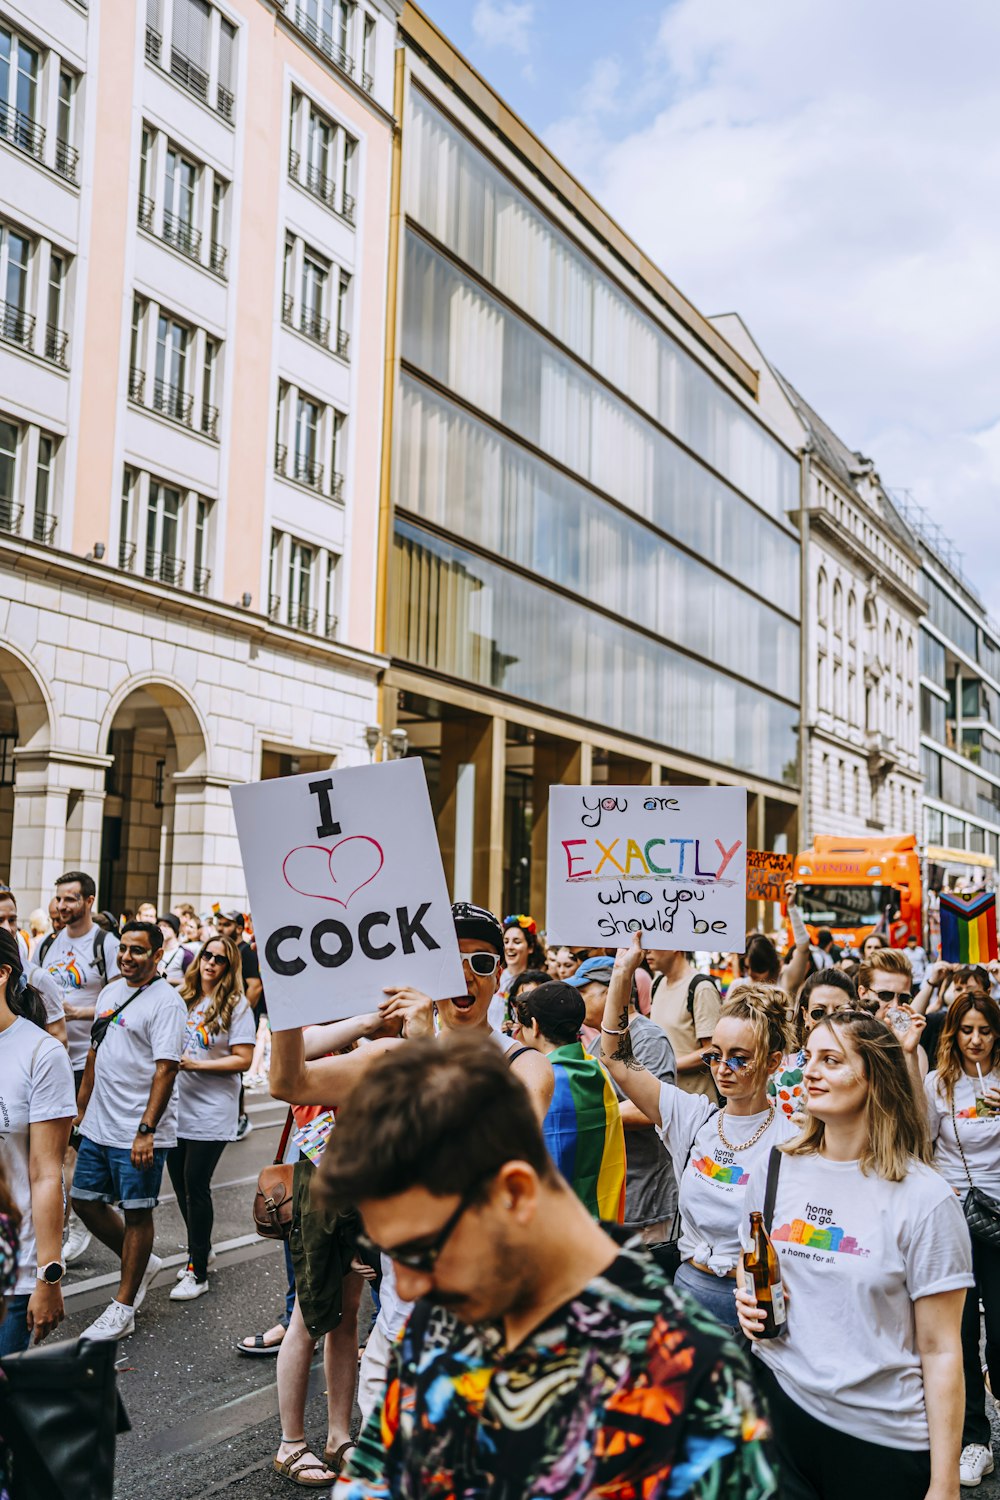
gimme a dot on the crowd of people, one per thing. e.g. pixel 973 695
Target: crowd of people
pixel 546 1183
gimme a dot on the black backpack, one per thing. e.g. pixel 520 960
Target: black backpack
pixel 100 962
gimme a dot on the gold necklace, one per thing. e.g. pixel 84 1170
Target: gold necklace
pixel 744 1145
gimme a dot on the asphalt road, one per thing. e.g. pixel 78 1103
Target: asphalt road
pixel 204 1419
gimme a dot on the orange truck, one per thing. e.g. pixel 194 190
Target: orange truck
pixel 848 884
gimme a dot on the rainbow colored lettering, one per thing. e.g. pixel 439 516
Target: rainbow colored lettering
pixel 828 1238
pixel 729 1175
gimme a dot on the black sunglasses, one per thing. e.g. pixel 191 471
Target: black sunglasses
pixel 889 997
pixel 424 1257
pixel 215 958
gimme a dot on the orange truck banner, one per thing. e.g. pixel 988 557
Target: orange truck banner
pixel 767 873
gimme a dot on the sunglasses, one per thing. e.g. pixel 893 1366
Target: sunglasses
pixel 483 964
pixel 889 997
pixel 734 1064
pixel 424 1257
pixel 215 958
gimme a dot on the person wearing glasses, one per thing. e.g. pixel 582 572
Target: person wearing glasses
pixel 541 1356
pixel 128 1118
pixel 218 1046
pixel 824 992
pixel 713 1148
pixel 885 981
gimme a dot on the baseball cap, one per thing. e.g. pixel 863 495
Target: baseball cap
pixel 592 971
pixel 476 922
pixel 232 916
pixel 556 1006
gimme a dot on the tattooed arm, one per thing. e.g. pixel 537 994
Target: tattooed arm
pixel 616 1043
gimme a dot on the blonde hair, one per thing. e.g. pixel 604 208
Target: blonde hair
pixel 895 1122
pixel 883 961
pixel 229 990
pixel 764 1007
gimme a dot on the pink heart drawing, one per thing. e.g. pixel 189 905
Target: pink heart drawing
pixel 311 866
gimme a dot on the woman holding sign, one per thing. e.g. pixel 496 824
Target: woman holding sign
pixel 712 1148
pixel 218 1047
pixel 963 1105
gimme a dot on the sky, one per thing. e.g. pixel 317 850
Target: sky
pixel 830 170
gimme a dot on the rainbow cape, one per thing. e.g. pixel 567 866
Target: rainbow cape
pixel 584 1134
pixel 968 927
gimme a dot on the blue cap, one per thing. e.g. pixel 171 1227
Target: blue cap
pixel 591 971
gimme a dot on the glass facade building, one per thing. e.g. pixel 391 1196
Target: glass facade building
pixel 590 527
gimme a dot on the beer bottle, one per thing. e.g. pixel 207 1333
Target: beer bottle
pixel 764 1275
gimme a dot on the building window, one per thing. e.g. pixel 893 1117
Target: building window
pixel 332 611
pixel 180 186
pixel 310 441
pixel 159 776
pixel 10 511
pixel 8 743
pixel 44 524
pixel 202 575
pixel 368 54
pixel 308 469
pixel 209 410
pixel 56 337
pixel 321 157
pixel 19 94
pixel 226 98
pixel 217 258
pixel 17 325
pixel 300 567
pixel 67 156
pixel 315 275
pixel 343 315
pixel 170 394
pixel 327 24
pixel 163 521
pixel 188 55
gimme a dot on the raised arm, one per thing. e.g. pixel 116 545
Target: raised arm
pixel 616 1043
pixel 796 971
pixel 326 1080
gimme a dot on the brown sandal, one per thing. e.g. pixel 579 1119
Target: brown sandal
pixel 335 1459
pixel 292 1468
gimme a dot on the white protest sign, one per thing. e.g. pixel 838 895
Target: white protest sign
pixel 347 890
pixel 669 862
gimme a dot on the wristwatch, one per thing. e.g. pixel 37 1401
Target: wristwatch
pixel 145 1129
pixel 53 1273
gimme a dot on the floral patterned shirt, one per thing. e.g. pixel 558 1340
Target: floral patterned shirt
pixel 630 1391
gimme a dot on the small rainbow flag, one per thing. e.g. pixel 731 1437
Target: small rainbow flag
pixel 584 1134
pixel 968 927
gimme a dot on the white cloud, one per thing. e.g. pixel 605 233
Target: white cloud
pixel 504 23
pixel 832 172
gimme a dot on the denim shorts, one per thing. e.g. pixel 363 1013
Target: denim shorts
pixel 105 1174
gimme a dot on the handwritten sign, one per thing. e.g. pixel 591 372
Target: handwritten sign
pixel 347 890
pixel 669 862
pixel 767 873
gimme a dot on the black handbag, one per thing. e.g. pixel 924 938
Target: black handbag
pixel 60 1412
pixel 982 1213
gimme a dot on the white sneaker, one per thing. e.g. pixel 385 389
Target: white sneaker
pixel 152 1266
pixel 187 1289
pixel 243 1127
pixel 975 1463
pixel 115 1322
pixel 77 1241
pixel 189 1267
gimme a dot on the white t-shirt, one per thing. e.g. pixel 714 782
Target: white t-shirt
pixel 41 980
pixel 70 961
pixel 856 1252
pixel 151 1029
pixel 208 1104
pixel 979 1132
pixel 36 1083
pixel 713 1182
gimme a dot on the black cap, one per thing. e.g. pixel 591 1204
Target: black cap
pixel 476 922
pixel 558 1008
pixel 174 923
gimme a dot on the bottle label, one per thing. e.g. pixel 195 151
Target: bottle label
pixel 778 1303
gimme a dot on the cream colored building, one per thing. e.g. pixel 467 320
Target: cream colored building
pixel 194 202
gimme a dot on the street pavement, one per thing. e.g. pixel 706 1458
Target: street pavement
pixel 205 1419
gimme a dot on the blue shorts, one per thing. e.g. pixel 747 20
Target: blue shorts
pixel 105 1174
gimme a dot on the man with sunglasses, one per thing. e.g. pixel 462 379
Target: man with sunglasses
pixel 128 1118
pixel 542 1356
pixel 885 981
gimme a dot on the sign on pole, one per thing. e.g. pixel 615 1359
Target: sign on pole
pixel 347 890
pixel 767 873
pixel 669 862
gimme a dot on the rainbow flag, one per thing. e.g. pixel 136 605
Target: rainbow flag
pixel 584 1134
pixel 968 927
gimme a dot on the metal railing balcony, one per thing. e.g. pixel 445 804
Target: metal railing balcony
pixel 147 209
pixel 56 346
pixel 164 567
pixel 126 556
pixel 307 471
pixel 217 257
pixel 301 617
pixel 347 208
pixel 182 235
pixel 288 310
pixel 273 606
pixel 367 83
pixel 314 327
pixel 173 401
pixel 225 101
pixel 21 130
pixel 16 325
pixel 322 39
pixel 330 627
pixel 281 459
pixel 189 75
pixel 154 44
pixel 67 160
pixel 136 386
pixel 343 343
pixel 11 516
pixel 337 487
pixel 210 422
pixel 201 578
pixel 44 527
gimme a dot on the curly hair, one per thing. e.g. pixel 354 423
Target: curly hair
pixel 227 993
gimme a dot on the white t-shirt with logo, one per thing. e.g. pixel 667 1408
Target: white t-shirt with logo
pixel 70 961
pixel 208 1104
pixel 712 1181
pixel 36 1083
pixel 41 980
pixel 979 1133
pixel 856 1252
pixel 149 1030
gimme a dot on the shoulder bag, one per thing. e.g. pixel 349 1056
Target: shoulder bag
pixel 274 1199
pixel 982 1213
pixel 668 1253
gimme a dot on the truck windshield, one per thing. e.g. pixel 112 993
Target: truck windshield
pixel 843 905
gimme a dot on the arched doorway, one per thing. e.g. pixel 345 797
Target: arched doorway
pixel 154 733
pixel 25 724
